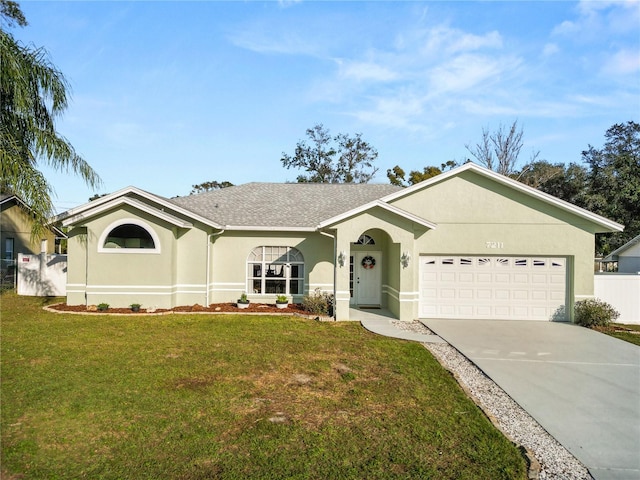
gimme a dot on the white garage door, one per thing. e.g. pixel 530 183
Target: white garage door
pixel 499 288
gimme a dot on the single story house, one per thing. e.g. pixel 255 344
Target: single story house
pixel 15 232
pixel 627 256
pixel 468 243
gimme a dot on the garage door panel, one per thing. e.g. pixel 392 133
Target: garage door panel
pixel 483 294
pixel 520 295
pixel 502 278
pixel 492 287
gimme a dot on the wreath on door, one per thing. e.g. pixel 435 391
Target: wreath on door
pixel 368 262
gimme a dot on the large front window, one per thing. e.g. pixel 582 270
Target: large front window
pixel 275 270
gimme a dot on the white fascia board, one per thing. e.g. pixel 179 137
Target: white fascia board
pixel 377 203
pixel 74 212
pixel 545 197
pixel 249 228
pixel 137 204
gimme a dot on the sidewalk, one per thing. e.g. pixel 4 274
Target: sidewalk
pixel 387 327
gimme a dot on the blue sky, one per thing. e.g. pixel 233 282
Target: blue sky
pixel 170 94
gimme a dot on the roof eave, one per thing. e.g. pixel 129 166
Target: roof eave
pixel 167 217
pixel 265 228
pixel 377 203
pixel 96 204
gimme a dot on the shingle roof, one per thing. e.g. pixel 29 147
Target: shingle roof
pixel 293 205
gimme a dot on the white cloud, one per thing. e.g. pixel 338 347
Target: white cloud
pixel 285 43
pixel 465 72
pixel 597 18
pixel 365 71
pixel 550 49
pixel 622 62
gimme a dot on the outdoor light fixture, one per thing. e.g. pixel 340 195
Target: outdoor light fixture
pixel 405 259
pixel 341 258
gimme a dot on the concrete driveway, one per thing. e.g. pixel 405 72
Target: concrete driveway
pixel 583 387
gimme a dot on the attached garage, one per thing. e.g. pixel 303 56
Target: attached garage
pixel 493 287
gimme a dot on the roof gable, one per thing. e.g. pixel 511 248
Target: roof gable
pixel 9 198
pixel 137 198
pixel 604 223
pixel 385 206
pixel 627 246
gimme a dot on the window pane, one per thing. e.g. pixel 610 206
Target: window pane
pixel 275 286
pixel 257 286
pixel 129 236
pixel 255 270
pixel 297 271
pixel 295 287
pixel 256 255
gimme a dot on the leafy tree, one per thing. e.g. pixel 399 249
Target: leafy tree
pixel 207 186
pixel 33 93
pixel 607 184
pixel 396 175
pixel 567 182
pixel 613 183
pixel 327 159
pixel 500 151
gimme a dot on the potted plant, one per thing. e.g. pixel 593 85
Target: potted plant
pixel 282 301
pixel 135 307
pixel 243 301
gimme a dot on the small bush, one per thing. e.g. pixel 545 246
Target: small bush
pixel 320 303
pixel 103 306
pixel 594 313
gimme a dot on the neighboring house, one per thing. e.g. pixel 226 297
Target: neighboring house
pixel 627 257
pixel 468 243
pixel 15 232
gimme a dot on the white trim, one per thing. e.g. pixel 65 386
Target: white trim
pixel 137 204
pixel 149 287
pixel 545 197
pixel 76 214
pixel 126 221
pixel 385 206
pixel 263 228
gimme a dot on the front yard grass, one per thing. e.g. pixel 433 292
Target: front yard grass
pixel 231 397
pixel 623 331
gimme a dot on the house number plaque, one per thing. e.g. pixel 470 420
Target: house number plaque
pixel 495 244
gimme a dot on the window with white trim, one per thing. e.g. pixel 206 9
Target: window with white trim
pixel 129 236
pixel 275 270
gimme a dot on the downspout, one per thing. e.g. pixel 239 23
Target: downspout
pixel 208 272
pixel 335 271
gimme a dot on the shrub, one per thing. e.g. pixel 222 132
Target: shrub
pixel 594 313
pixel 103 306
pixel 320 303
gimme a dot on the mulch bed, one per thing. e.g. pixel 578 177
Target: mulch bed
pixel 213 308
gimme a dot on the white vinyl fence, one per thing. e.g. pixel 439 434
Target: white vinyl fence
pixel 622 291
pixel 42 275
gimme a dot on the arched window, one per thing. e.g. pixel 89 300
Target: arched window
pixel 275 270
pixel 131 235
pixel 365 240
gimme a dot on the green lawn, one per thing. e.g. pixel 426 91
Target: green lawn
pixel 623 332
pixel 231 397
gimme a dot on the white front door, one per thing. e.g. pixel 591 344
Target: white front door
pixel 368 278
